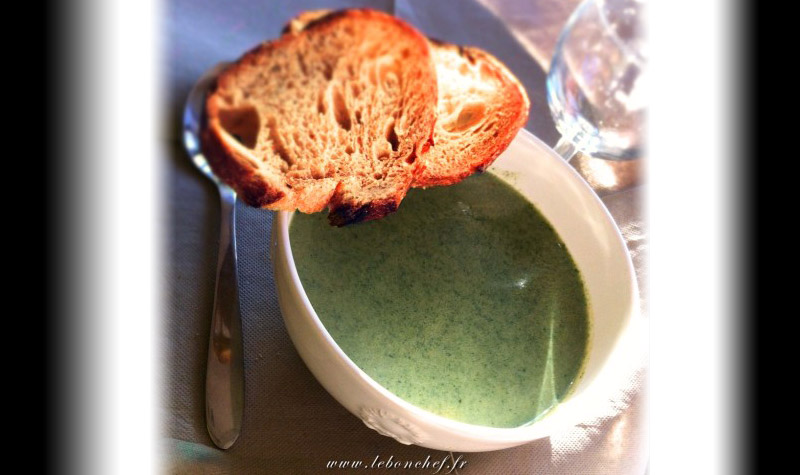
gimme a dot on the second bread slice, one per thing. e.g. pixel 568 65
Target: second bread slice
pixel 481 108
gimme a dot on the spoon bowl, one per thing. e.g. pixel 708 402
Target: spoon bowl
pixel 192 119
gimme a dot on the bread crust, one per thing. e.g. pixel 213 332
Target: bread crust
pixel 251 187
pixel 260 187
pixel 344 214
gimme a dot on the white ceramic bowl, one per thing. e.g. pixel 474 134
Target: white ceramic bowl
pixel 592 238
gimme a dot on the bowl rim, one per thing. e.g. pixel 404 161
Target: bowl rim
pixel 526 432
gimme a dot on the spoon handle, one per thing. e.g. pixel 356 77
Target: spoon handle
pixel 225 370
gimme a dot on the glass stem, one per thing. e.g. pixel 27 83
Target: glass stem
pixel 566 149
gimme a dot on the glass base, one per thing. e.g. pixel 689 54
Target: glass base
pixel 609 176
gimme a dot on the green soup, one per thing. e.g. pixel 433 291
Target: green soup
pixel 464 302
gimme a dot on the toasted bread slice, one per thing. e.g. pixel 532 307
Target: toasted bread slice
pixel 481 106
pixel 334 117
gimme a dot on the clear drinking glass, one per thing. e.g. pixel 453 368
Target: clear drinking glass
pixel 596 87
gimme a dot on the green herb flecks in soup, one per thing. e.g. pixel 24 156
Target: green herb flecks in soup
pixel 465 302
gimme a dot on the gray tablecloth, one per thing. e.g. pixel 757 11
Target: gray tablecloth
pixel 291 424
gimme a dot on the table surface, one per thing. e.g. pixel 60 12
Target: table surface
pixel 291 424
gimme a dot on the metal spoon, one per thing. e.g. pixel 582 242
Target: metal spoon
pixel 225 370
